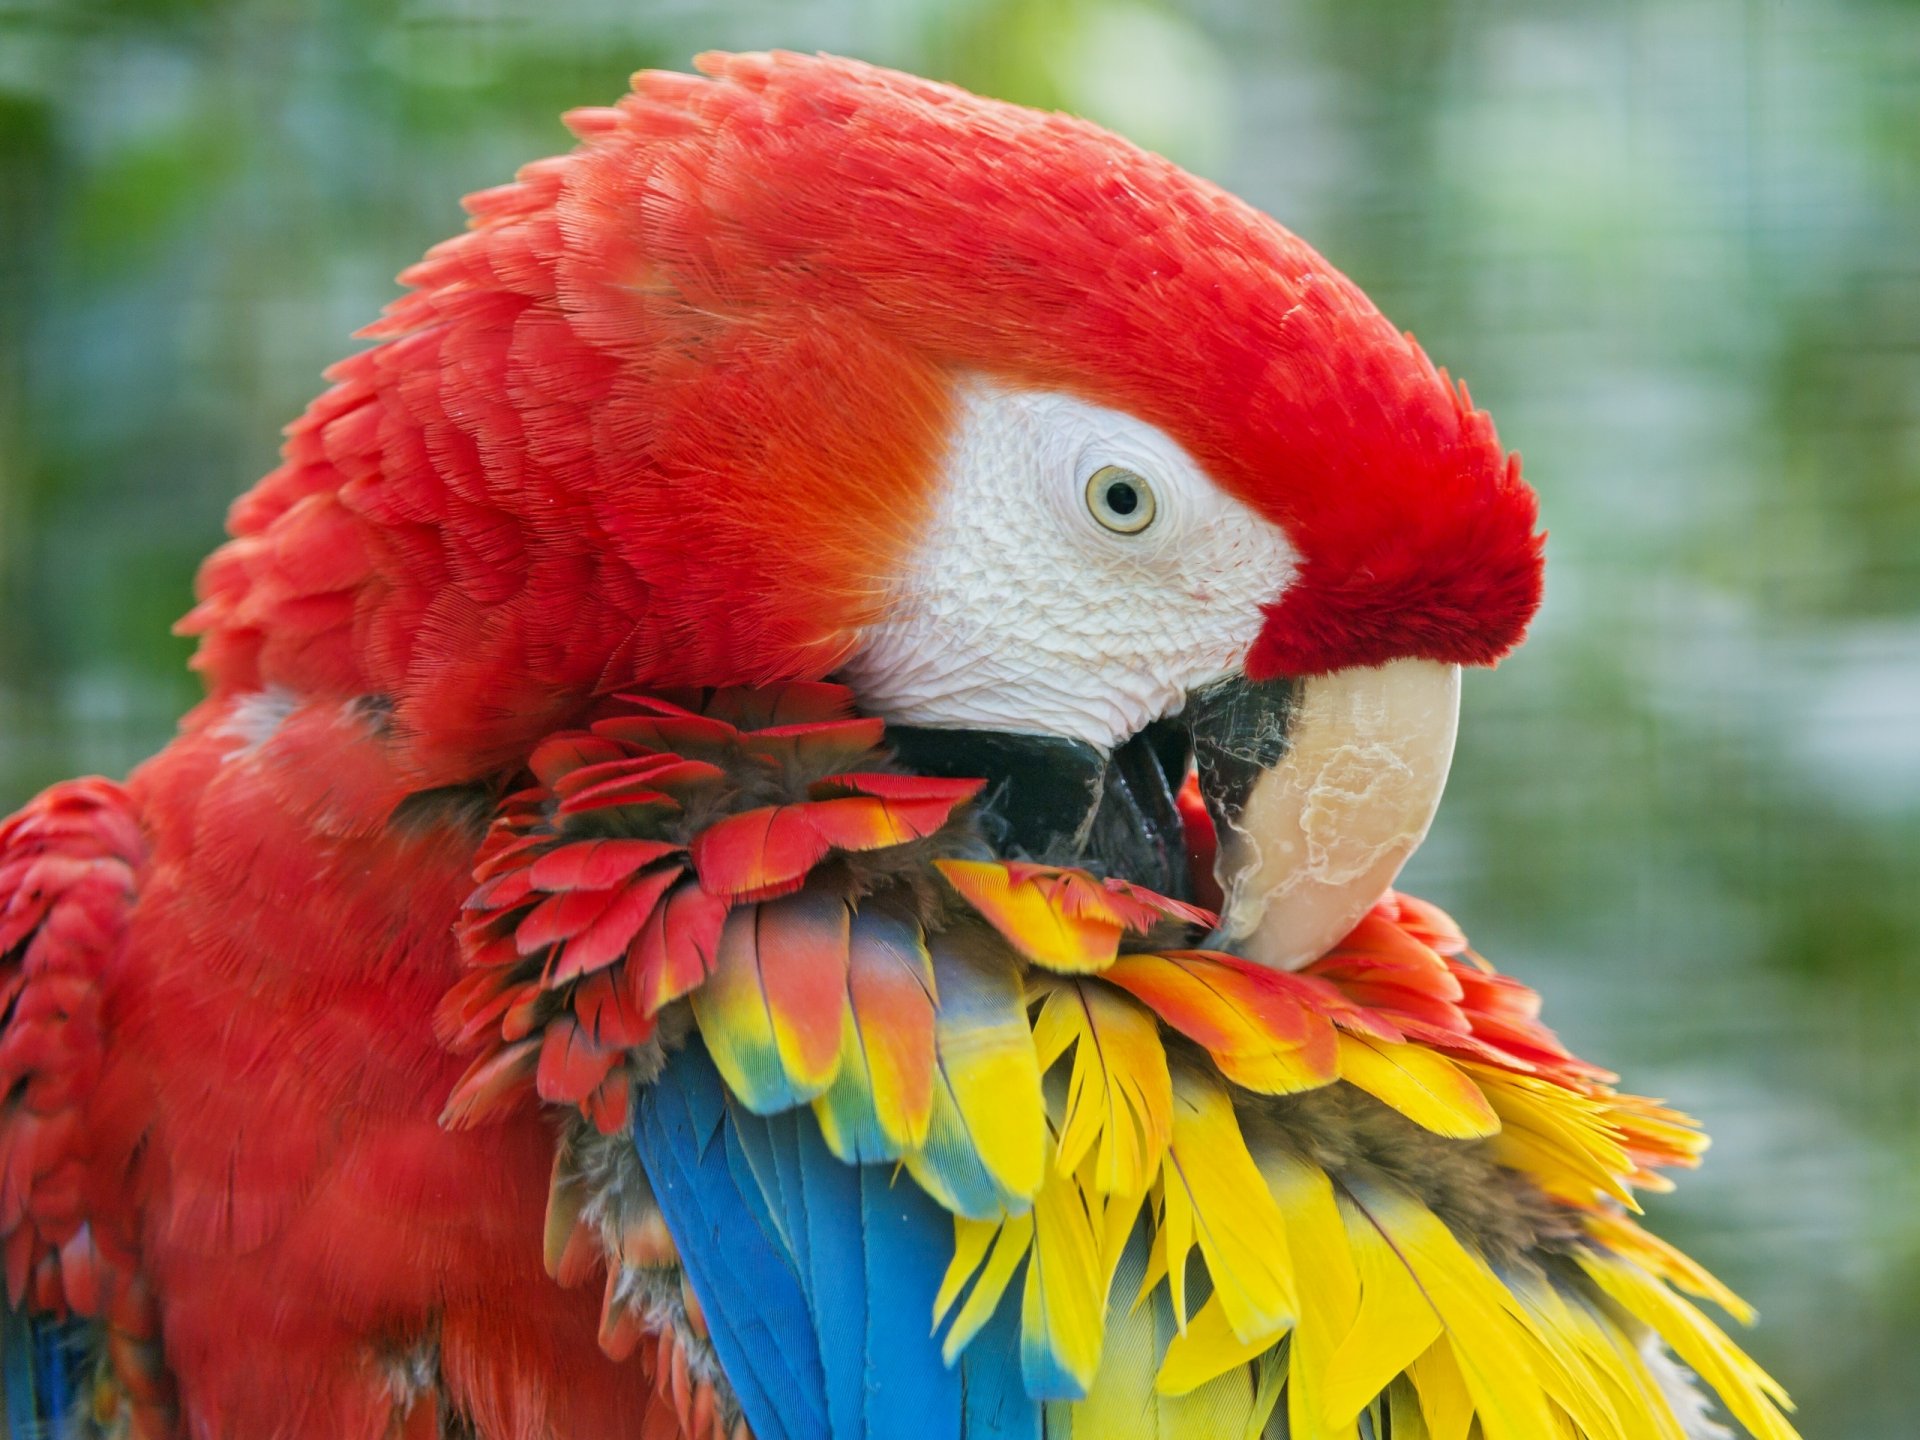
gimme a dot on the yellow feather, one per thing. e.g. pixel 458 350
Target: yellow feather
pixel 1262 1042
pixel 970 1241
pixel 1489 1345
pixel 1650 1252
pixel 985 1149
pixel 1064 1309
pixel 1156 1267
pixel 1119 1093
pixel 1051 1035
pixel 1393 1326
pixel 1069 1275
pixel 1010 1247
pixel 1754 1397
pixel 1174 1242
pixel 1403 1412
pixel 1216 1196
pixel 1123 1404
pixel 1638 1414
pixel 1444 1400
pixel 1642 1395
pixel 1270 1374
pixel 1328 1283
pixel 1426 1087
pixel 1206 1349
pixel 1643 1410
pixel 1033 921
pixel 1558 1170
pixel 1564 1372
pixel 1273 1069
pixel 1114 1223
pixel 1564 1139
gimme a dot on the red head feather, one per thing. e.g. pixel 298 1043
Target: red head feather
pixel 672 409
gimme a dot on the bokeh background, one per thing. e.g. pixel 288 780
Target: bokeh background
pixel 1673 245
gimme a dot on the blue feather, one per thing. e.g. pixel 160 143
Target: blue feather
pixel 908 1240
pixel 39 1373
pixel 835 1266
pixel 756 1311
pixel 997 1402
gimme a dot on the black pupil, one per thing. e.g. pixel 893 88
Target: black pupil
pixel 1122 498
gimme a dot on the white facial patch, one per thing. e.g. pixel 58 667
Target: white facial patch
pixel 1020 611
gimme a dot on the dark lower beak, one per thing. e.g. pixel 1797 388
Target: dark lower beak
pixel 1065 802
pixel 1240 730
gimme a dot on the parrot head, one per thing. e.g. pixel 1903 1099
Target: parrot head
pixel 1052 452
pixel 1038 443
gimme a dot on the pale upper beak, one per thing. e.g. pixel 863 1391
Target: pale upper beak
pixel 1320 789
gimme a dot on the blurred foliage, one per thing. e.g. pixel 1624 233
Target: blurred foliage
pixel 1671 243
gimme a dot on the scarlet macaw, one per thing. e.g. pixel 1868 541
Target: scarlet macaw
pixel 687 909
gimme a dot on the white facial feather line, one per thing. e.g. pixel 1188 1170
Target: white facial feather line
pixel 1019 612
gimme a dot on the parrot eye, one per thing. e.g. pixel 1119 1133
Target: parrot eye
pixel 1120 500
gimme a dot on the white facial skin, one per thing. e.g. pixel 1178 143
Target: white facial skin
pixel 1020 612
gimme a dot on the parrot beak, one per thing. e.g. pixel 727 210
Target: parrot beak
pixel 1319 790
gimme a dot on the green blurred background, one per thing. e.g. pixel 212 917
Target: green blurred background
pixel 1674 246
